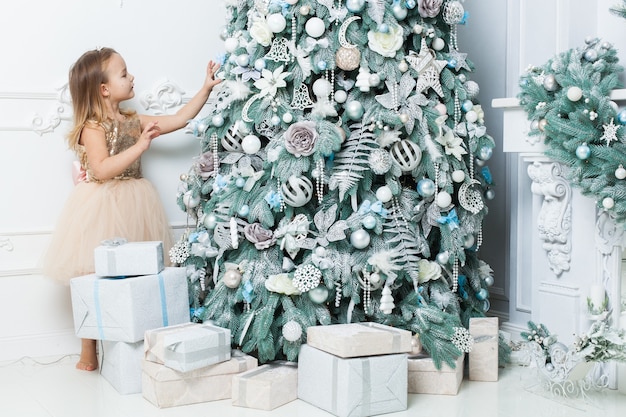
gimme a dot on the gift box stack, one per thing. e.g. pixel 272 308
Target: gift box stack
pixel 190 363
pixel 357 369
pixel 131 292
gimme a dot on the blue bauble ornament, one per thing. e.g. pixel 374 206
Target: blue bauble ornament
pixel 244 210
pixel 259 64
pixel 217 120
pixel 369 222
pixel 240 182
pixel 383 28
pixel 483 294
pixel 322 65
pixel 452 63
pixel 467 105
pixel 485 153
pixel 398 11
pixel 410 4
pixel 621 117
pixel 354 110
pixel 355 6
pixel 426 187
pixel 583 152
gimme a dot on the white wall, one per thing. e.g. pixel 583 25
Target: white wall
pixel 160 41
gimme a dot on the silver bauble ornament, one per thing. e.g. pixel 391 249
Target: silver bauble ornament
pixel 453 12
pixel 297 191
pixel 549 83
pixel 319 294
pixel 620 173
pixel 407 154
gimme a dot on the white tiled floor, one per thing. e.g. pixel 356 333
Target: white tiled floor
pixel 31 389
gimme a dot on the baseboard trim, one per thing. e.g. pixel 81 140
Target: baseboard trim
pixel 40 345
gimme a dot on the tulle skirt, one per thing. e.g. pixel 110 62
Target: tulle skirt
pixel 94 212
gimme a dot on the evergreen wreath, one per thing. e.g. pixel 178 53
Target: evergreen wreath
pixel 568 103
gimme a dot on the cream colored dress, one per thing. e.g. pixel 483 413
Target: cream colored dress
pixel 127 206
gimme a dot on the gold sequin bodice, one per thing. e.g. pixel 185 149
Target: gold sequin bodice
pixel 119 136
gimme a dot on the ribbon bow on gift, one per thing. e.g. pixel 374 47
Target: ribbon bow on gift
pixel 451 219
pixel 116 241
pixel 376 207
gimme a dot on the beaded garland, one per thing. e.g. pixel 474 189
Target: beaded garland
pixel 568 103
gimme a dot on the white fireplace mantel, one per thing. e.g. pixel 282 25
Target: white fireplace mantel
pixel 561 243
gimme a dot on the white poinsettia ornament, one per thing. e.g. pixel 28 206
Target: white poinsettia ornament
pixel 271 81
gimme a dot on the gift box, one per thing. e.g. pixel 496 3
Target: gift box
pixel 117 258
pixel 362 386
pixel 123 309
pixel 359 339
pixel 121 365
pixel 187 346
pixel 166 387
pixel 425 378
pixel 483 358
pixel 266 387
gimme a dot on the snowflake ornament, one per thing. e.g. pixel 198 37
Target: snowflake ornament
pixel 610 132
pixel 462 339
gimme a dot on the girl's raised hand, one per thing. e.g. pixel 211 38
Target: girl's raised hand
pixel 151 131
pixel 211 70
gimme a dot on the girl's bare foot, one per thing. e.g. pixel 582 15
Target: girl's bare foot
pixel 88 358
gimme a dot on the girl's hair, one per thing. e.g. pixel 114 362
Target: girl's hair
pixel 85 78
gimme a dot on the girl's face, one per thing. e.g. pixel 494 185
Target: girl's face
pixel 120 84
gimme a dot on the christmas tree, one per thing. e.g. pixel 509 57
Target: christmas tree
pixel 342 176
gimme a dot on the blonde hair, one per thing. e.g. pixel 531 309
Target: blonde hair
pixel 85 78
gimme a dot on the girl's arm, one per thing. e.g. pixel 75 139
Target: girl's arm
pixel 105 166
pixel 170 123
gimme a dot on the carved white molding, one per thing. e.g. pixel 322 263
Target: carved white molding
pixel 165 95
pixel 554 218
pixel 6 244
pixel 62 111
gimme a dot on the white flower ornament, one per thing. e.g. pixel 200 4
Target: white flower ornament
pixel 270 82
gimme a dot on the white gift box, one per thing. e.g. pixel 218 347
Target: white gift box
pixel 363 386
pixel 128 259
pixel 359 339
pixel 123 309
pixel 266 387
pixel 188 346
pixel 425 378
pixel 121 365
pixel 166 387
pixel 483 358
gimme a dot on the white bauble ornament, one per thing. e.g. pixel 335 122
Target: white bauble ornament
pixel 441 109
pixel 341 96
pixel 287 117
pixel 489 281
pixel 305 10
pixel 260 64
pixel 232 278
pixel 243 60
pixel 472 89
pixel 468 241
pixel 403 66
pixel 444 199
pixel 322 88
pixel 398 11
pixel 360 239
pixel 231 44
pixel 251 144
pixel 458 176
pixel 403 117
pixel 369 222
pixel 217 120
pixel 471 116
pixel 292 2
pixel 443 257
pixel 319 294
pixel 620 173
pixel 315 27
pixel 608 203
pixel 375 279
pixel 574 93
pixel 384 194
pixel 297 191
pixel 292 331
pixel 438 44
pixel 276 22
pixel 190 200
pixel 407 154
pixel 550 83
pixel 374 80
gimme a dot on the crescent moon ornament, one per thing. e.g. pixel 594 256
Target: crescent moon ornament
pixel 246 107
pixel 348 56
pixel 471 200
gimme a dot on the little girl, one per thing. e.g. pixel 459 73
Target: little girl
pixel 113 199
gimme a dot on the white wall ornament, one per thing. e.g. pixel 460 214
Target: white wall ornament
pixel 6 244
pixel 165 95
pixel 554 218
